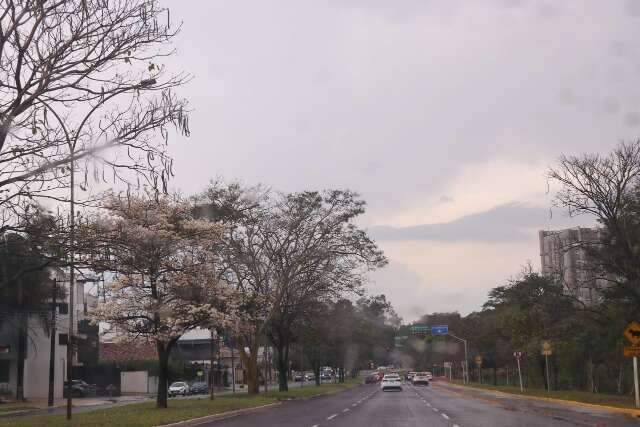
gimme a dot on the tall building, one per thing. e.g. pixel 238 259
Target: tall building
pixel 564 258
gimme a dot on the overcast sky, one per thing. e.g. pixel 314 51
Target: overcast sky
pixel 444 115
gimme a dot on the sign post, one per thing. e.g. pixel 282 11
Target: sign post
pixel 518 355
pixel 632 334
pixel 546 352
pixel 478 361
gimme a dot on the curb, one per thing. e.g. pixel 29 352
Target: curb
pixel 215 417
pixel 628 411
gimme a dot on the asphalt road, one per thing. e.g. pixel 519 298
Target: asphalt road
pixel 436 405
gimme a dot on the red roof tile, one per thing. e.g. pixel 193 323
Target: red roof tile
pixel 119 352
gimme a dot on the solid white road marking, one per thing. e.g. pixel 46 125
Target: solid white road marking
pixel 332 416
pixel 445 416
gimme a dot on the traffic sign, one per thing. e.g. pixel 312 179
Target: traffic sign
pixel 632 351
pixel 440 330
pixel 517 354
pixel 632 333
pixel 478 361
pixel 546 348
pixel 419 330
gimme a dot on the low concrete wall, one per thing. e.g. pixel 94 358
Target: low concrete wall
pixel 134 382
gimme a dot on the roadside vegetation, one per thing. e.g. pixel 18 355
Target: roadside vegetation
pixel 606 399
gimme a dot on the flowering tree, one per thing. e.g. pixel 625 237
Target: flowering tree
pixel 165 282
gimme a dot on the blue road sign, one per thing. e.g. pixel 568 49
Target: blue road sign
pixel 440 330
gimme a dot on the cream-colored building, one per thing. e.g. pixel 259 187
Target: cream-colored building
pixel 564 257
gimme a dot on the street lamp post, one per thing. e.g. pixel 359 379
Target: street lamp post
pixel 465 378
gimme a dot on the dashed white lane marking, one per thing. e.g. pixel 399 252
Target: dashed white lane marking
pixel 456 425
pixel 435 409
pixel 429 404
pixel 332 416
pixel 445 416
pixel 345 410
pixel 315 425
pixel 355 404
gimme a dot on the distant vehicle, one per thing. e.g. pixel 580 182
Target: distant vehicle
pixel 79 388
pixel 420 378
pixel 298 377
pixel 326 376
pixel 391 382
pixel 178 387
pixel 429 375
pixel 410 375
pixel 199 387
pixel 371 379
pixel 310 376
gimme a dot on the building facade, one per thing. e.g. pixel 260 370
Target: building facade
pixel 38 343
pixel 564 258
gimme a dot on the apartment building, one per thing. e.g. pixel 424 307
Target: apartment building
pixel 39 325
pixel 563 257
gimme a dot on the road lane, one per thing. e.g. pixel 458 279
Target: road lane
pixel 439 405
pixel 471 407
pixel 307 413
pixel 392 409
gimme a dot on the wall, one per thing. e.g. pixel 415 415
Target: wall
pixel 36 370
pixel 134 382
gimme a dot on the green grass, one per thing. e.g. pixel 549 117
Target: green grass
pixel 145 414
pixel 10 407
pixel 620 401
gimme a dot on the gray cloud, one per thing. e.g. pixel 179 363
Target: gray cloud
pixel 505 223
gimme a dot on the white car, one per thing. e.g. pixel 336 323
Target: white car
pixel 429 375
pixel 391 382
pixel 420 378
pixel 179 387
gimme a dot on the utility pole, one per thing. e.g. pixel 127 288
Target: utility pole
pixel 211 377
pixel 233 369
pixel 302 365
pixel 72 239
pixel 52 353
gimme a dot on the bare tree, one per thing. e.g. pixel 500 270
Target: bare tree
pixel 607 187
pixel 82 86
pixel 318 254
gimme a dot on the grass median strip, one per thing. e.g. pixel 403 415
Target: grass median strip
pixel 618 401
pixel 146 414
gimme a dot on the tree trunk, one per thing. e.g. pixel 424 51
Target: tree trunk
pixel 283 361
pixel 316 373
pixel 22 344
pixel 495 375
pixel 163 375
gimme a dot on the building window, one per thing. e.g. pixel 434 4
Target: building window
pixel 63 339
pixel 63 308
pixel 4 370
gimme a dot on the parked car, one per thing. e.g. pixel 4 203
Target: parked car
pixel 410 375
pixel 298 377
pixel 391 382
pixel 420 378
pixel 199 387
pixel 326 376
pixel 178 387
pixel 429 375
pixel 310 376
pixel 80 388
